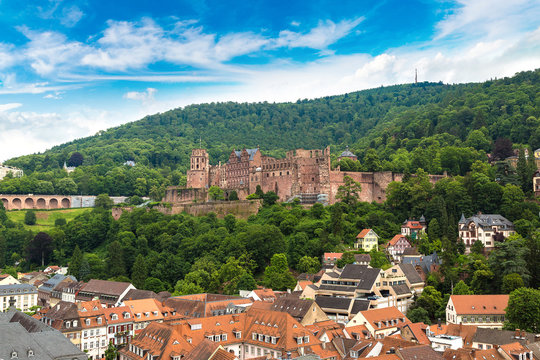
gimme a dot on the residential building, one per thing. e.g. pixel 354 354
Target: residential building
pixel 120 329
pixel 414 228
pixel 23 337
pixel 362 259
pixel 266 295
pixel 46 289
pixel 109 293
pixel 486 338
pixel 6 279
pixel 441 342
pixel 443 335
pixel 487 228
pixel 4 170
pixel 341 309
pixel 205 304
pixel 306 312
pixel 367 240
pixel 480 310
pixel 53 269
pixel 380 322
pixel 146 311
pixel 25 296
pixel 396 247
pixel 94 329
pixel 35 278
pixel 64 317
pixel 69 290
pixel 355 281
pixel 331 258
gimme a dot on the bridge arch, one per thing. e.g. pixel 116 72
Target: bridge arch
pixel 29 203
pixel 17 203
pixel 6 203
pixel 53 204
pixel 41 203
pixel 65 203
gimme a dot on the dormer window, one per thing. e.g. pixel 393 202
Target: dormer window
pixel 306 339
pixel 147 314
pixel 75 322
pixel 14 355
pixel 30 353
pixel 99 320
pixel 87 321
pixel 67 324
pixel 155 313
pixel 299 340
pixel 126 315
pixel 114 317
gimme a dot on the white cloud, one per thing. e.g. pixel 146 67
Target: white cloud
pixel 10 106
pixel 144 96
pixel 71 16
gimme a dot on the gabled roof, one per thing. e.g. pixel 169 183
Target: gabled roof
pixel 365 275
pixel 144 309
pixel 395 239
pixel 412 224
pixel 374 316
pixel 501 337
pixel 480 304
pixel 136 294
pixel 105 287
pixel 297 308
pixel 364 233
pixel 332 255
pixel 489 220
pixel 424 352
pixel 411 274
pixel 418 331
pixel 331 302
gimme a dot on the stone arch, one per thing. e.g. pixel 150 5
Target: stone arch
pixel 29 203
pixel 6 203
pixel 17 203
pixel 53 204
pixel 41 203
pixel 65 203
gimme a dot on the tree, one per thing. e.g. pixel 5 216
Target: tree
pixel 524 175
pixel 379 260
pixel 233 195
pixel 502 148
pixel 246 282
pixel 76 159
pixel 270 198
pixel 75 262
pixel 60 222
pixel 184 287
pixel 66 186
pixel 139 272
pixel 462 289
pixel 115 259
pixel 154 284
pixel 111 353
pixel 103 201
pixel 85 271
pixel 477 247
pixel 346 258
pixel 348 192
pixel 30 217
pixel 430 300
pixel 308 264
pixel 40 248
pixel 215 193
pixel 419 315
pixel 523 311
pixel 277 276
pixel 511 282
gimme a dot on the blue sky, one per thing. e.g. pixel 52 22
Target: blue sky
pixel 71 68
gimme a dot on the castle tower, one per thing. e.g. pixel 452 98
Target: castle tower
pixel 197 175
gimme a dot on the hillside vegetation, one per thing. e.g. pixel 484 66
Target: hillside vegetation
pixel 432 126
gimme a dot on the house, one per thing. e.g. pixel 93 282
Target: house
pixel 415 332
pixel 306 312
pixel 352 281
pixel 64 317
pixel 70 290
pixel 396 246
pixel 367 240
pixel 93 329
pixel 341 309
pixel 23 337
pixel 362 259
pixel 205 304
pixel 119 321
pixel 6 279
pixel 109 293
pixel 34 278
pixel 444 336
pixel 146 311
pixel 480 310
pixel 414 228
pixel 266 295
pixel 486 228
pixel 424 352
pixel 57 293
pixel 486 338
pixel 53 269
pixel 380 322
pixel 331 258
pixel 25 296
pixel 46 289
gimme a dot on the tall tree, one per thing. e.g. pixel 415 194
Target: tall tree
pixel 523 172
pixel 75 262
pixel 76 159
pixel 139 272
pixel 277 276
pixel 40 248
pixel 30 217
pixel 348 192
pixel 115 259
pixel 523 311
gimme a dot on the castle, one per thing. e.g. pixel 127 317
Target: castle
pixel 303 174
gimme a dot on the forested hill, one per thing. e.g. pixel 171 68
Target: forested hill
pixel 408 126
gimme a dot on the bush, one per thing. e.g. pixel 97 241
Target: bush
pixel 30 217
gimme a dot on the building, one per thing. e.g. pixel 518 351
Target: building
pixel 380 322
pixel 362 259
pixel 487 228
pixel 23 337
pixel 479 310
pixel 6 279
pixel 303 174
pixel 396 247
pixel 70 290
pixel 367 240
pixel 46 289
pixel 64 317
pixel 306 312
pixel 414 228
pixel 4 170
pixel 94 329
pixel 147 311
pixel 120 329
pixel 486 338
pixel 205 304
pixel 347 155
pixel 331 258
pixel 25 296
pixel 341 309
pixel 109 293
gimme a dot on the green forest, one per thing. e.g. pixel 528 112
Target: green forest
pixel 402 128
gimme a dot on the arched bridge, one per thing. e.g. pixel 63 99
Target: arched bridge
pixel 30 201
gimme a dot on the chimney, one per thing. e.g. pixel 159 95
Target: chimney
pixel 439 324
pixel 516 334
pixel 522 334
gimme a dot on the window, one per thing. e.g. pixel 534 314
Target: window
pixel 238 334
pixel 299 340
pixel 223 337
pixel 306 339
pixel 254 336
pixel 114 317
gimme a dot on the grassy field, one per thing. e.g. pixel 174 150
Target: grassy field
pixel 45 218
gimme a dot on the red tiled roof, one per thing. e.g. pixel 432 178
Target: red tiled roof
pixel 362 233
pixel 333 255
pixel 374 316
pixel 412 225
pixel 480 304
pixel 395 239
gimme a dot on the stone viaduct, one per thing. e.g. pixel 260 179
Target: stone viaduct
pixel 12 202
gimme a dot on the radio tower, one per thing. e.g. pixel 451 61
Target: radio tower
pixel 416 76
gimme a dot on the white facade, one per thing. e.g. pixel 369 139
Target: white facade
pixel 483 228
pixel 25 295
pixel 4 170
pixel 94 341
pixel 9 280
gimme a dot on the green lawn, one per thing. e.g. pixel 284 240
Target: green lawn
pixel 45 218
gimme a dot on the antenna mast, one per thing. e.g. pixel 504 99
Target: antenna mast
pixel 416 76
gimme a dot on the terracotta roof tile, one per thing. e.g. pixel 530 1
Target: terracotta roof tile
pixel 384 316
pixel 362 233
pixel 480 304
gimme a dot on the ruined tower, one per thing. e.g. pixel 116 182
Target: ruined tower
pixel 197 175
